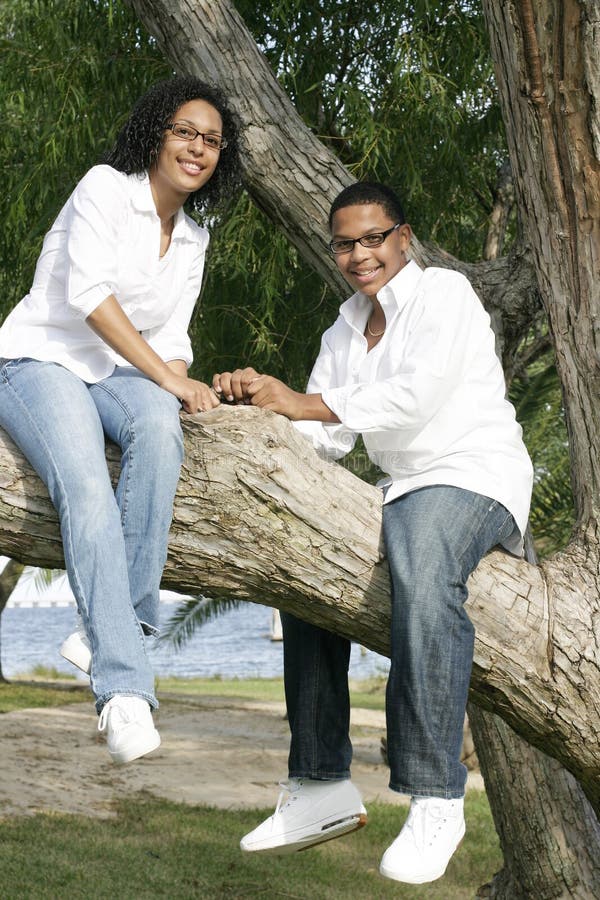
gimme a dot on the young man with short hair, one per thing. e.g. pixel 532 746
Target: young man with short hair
pixel 410 365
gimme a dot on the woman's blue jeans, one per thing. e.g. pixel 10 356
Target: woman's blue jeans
pixel 434 538
pixel 114 540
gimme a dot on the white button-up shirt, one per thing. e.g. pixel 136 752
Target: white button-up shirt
pixel 429 398
pixel 106 240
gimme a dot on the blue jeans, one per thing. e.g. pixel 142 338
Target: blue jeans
pixel 114 540
pixel 434 538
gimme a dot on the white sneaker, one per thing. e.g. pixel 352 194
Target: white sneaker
pixel 308 812
pixel 130 731
pixel 432 832
pixel 76 649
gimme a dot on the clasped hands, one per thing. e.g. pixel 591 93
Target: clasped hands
pixel 250 387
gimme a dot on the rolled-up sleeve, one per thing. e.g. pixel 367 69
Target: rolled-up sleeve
pixel 92 226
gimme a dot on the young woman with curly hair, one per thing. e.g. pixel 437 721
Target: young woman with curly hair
pixel 99 349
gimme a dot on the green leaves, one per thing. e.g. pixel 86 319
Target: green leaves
pixel 71 71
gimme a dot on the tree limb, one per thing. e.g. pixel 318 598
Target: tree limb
pixel 259 516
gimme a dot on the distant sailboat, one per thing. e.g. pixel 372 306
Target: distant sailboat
pixel 276 630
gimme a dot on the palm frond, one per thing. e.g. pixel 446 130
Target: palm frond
pixel 191 614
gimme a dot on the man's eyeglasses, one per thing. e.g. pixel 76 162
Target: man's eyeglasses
pixel 187 133
pixel 367 240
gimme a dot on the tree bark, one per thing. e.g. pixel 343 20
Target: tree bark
pixel 547 61
pixel 259 516
pixel 504 200
pixel 8 581
pixel 549 833
pixel 547 58
pixel 547 828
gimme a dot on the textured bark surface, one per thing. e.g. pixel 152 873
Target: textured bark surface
pixel 547 58
pixel 549 834
pixel 548 831
pixel 258 515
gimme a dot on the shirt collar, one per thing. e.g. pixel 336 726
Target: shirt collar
pixel 183 228
pixel 393 296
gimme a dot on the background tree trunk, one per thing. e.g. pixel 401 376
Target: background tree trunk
pixel 547 59
pixel 8 581
pixel 546 855
pixel 548 831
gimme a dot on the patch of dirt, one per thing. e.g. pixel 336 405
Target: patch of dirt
pixel 215 751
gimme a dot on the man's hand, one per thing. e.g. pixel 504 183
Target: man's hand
pixel 233 386
pixel 267 392
pixel 248 386
pixel 264 391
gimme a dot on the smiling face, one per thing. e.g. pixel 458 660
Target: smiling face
pixel 184 166
pixel 368 269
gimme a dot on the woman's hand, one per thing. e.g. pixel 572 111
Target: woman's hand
pixel 195 396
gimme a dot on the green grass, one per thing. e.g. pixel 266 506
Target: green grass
pixel 264 689
pixel 28 695
pixel 157 849
pixel 368 694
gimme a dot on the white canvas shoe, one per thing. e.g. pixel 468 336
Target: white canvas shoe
pixel 130 731
pixel 76 649
pixel 432 832
pixel 308 812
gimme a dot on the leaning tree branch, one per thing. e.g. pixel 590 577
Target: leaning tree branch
pixel 289 173
pixel 259 516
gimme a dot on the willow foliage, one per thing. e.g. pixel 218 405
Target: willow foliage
pixel 383 84
pixel 402 91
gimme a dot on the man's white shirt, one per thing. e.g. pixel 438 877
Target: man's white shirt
pixel 429 398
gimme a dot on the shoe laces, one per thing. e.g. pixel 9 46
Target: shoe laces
pixel 426 821
pixel 121 711
pixel 288 795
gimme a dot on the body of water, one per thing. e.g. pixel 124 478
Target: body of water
pixel 234 645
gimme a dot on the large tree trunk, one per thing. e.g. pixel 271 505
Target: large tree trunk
pixel 549 834
pixel 547 58
pixel 259 516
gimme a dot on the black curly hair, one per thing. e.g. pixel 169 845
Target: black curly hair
pixel 363 192
pixel 140 139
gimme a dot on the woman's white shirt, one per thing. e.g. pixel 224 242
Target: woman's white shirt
pixel 429 398
pixel 106 240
